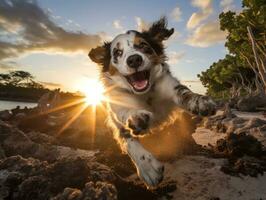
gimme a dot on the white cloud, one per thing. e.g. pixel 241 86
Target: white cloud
pixel 141 25
pixel 227 5
pixel 196 18
pixel 206 35
pixel 174 57
pixel 117 24
pixel 176 14
pixel 105 36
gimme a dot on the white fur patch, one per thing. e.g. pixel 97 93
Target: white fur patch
pixel 126 43
pixel 148 167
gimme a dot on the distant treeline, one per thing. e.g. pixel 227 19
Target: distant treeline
pixel 21 86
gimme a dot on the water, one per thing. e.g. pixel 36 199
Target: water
pixel 7 105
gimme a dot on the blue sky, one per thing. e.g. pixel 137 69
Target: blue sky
pixel 197 43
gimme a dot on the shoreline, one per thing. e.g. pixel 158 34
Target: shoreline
pixel 18 100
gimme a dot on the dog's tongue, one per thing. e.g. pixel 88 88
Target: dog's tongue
pixel 140 84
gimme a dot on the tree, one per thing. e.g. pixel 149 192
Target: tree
pixel 19 79
pixel 243 69
pixel 228 77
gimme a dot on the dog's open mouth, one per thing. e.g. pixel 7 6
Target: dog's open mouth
pixel 139 80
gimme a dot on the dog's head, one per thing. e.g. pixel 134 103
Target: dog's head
pixel 132 57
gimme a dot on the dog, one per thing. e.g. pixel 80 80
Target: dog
pixel 142 92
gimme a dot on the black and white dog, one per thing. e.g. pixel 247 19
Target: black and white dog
pixel 142 92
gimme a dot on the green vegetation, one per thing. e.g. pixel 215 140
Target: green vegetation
pixel 243 70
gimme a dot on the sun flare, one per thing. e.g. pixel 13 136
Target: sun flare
pixel 93 91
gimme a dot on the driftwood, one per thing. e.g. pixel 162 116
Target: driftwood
pixel 260 62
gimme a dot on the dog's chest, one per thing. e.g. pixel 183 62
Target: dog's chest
pixel 160 107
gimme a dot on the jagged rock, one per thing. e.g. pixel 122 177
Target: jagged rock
pixel 40 138
pixel 34 179
pixel 99 190
pixel 238 145
pixel 69 194
pixel 2 152
pixel 76 178
pixel 5 115
pixel 91 191
pixel 16 142
pixel 244 152
pixel 20 116
pixel 246 166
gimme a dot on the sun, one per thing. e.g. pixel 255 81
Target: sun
pixel 93 91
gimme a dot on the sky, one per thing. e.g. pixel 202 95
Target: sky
pixel 51 38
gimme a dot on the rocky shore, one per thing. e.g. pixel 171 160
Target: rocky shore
pixel 42 158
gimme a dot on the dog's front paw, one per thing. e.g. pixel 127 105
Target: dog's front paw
pixel 150 170
pixel 202 105
pixel 139 121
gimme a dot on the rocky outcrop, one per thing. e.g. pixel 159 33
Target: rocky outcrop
pixel 34 166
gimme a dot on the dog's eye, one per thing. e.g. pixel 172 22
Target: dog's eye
pixel 117 52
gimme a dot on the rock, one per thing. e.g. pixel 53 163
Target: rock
pixel 20 116
pixel 34 187
pixel 246 166
pixel 244 152
pixel 5 115
pixel 69 194
pixel 76 178
pixel 37 145
pixel 34 179
pixel 40 138
pixel 238 145
pixel 99 190
pixel 2 152
pixel 92 191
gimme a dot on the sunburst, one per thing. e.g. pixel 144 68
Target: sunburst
pixel 94 98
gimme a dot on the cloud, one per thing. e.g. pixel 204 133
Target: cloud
pixel 8 65
pixel 117 24
pixel 36 32
pixel 176 14
pixel 196 18
pixel 206 35
pixel 227 5
pixel 174 57
pixel 141 24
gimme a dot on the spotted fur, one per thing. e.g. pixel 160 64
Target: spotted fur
pixel 132 112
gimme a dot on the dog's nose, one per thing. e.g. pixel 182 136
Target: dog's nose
pixel 134 61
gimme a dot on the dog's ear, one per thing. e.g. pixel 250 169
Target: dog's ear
pixel 158 31
pixel 101 55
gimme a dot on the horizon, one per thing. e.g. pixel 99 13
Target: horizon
pixel 52 41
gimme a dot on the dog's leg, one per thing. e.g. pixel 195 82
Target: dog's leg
pixel 149 169
pixel 195 103
pixel 132 113
pixel 185 98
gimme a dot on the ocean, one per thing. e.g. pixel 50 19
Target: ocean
pixel 7 105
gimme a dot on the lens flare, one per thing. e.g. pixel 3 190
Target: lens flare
pixel 93 91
